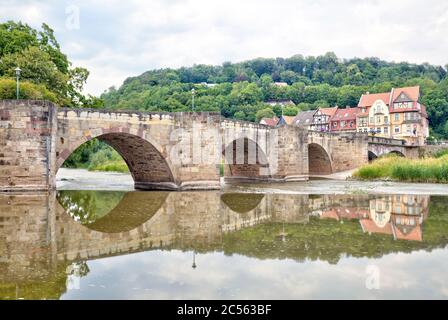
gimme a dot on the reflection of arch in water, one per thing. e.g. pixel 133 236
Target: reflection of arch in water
pixel 242 202
pixel 133 210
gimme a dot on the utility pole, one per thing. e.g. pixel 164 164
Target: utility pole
pixel 17 70
pixel 192 98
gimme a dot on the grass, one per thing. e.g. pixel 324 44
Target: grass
pixel 441 153
pixel 433 170
pixel 111 166
pixel 107 160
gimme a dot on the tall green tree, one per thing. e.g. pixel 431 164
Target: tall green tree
pixel 39 55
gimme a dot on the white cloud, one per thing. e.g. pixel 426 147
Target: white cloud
pixel 119 39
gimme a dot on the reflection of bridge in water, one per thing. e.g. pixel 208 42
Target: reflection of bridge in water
pixel 38 239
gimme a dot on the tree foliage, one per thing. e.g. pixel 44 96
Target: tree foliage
pixel 240 90
pixel 38 55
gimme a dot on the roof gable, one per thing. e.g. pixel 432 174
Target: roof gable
pixel 304 117
pixel 328 111
pixel 346 114
pixel 403 97
pixel 412 94
pixel 367 100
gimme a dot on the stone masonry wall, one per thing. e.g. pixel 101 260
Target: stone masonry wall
pixel 27 137
pixel 292 146
pixel 346 150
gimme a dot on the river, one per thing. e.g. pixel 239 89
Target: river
pixel 97 238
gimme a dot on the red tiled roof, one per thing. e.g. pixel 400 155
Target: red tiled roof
pixel 370 226
pixel 289 119
pixel 412 92
pixel 330 214
pixel 328 111
pixel 367 100
pixel 414 235
pixel 272 122
pixel 345 114
pixel 350 213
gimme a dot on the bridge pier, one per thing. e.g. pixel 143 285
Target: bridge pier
pixel 27 145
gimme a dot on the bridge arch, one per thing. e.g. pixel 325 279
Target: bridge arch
pixel 372 156
pixel 244 159
pixel 149 168
pixel 319 161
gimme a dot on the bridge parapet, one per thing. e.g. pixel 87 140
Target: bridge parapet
pixel 387 141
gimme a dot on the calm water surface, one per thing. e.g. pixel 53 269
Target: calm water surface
pixel 222 245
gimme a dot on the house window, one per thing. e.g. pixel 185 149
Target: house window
pixel 342 124
pixel 372 120
pixel 408 128
pixel 397 117
pixel 378 119
pixel 386 119
pixel 351 124
pixel 397 129
pixel 386 130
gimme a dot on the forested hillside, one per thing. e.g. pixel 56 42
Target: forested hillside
pixel 239 90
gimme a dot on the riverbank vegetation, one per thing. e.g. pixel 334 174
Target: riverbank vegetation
pixel 96 155
pixel 393 167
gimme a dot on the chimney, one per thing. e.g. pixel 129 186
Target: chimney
pixel 347 107
pixel 367 92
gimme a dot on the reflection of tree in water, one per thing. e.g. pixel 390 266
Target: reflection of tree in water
pixel 51 286
pixel 88 206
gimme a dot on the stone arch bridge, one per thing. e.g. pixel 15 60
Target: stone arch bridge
pixel 170 151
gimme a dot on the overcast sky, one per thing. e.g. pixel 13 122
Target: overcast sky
pixel 115 39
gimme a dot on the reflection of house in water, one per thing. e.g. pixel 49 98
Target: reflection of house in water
pixel 400 216
pixel 345 213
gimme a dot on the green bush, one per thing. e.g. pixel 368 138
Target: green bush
pixel 113 166
pixel 107 160
pixel 441 153
pixel 27 90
